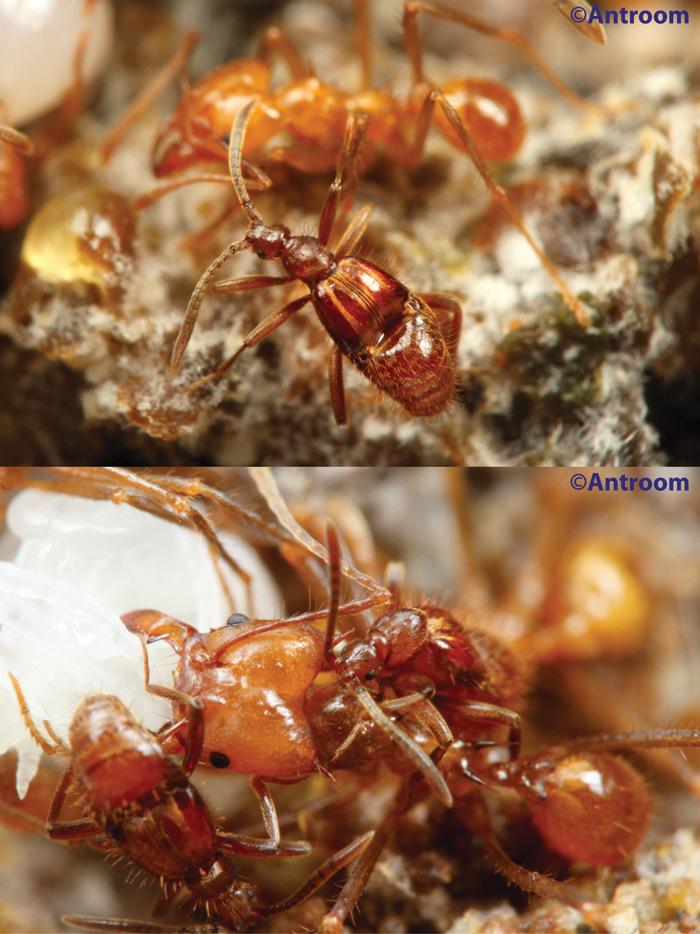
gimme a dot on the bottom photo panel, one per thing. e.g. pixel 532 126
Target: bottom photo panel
pixel 349 699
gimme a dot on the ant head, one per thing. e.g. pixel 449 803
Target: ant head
pixel 358 661
pixel 268 242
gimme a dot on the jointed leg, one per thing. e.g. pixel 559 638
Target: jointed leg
pixel 354 232
pixel 149 94
pixel 259 182
pixel 195 714
pixel 195 302
pixel 413 44
pixel 355 129
pixel 72 829
pixel 266 327
pixel 477 710
pixel 335 384
pixel 48 747
pixel 593 31
pixel 502 197
pixel 267 809
pixel 275 41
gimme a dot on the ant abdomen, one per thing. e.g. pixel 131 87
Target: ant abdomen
pixel 489 112
pixel 414 362
pixel 589 807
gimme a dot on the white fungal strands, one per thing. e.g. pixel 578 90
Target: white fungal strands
pixel 79 565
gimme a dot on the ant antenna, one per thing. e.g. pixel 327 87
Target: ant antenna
pixel 333 546
pixel 235 157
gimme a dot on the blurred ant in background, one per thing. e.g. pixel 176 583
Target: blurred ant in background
pixel 477 116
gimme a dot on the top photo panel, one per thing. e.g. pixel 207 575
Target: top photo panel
pixel 349 232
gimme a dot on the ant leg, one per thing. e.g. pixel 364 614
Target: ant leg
pixel 249 283
pixel 358 877
pixel 275 41
pixel 149 94
pixel 355 129
pixel 195 714
pixel 593 31
pixel 336 386
pixel 415 52
pixel 364 41
pixel 449 314
pixel 500 194
pixel 318 878
pixel 267 809
pixel 195 302
pixel 526 879
pixel 266 327
pixel 55 747
pixel 638 739
pixel 354 232
pixel 129 925
pixel 476 710
pixel 72 829
pixel 255 848
pixel 260 182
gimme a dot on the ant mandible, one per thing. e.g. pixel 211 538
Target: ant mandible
pixel 142 802
pixel 477 116
pixel 403 342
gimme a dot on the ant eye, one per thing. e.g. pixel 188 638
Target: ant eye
pixel 261 254
pixel 237 619
pixel 370 676
pixel 219 760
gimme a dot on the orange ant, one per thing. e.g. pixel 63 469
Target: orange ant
pixel 456 682
pixel 140 802
pixel 15 148
pixel 403 342
pixel 477 116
